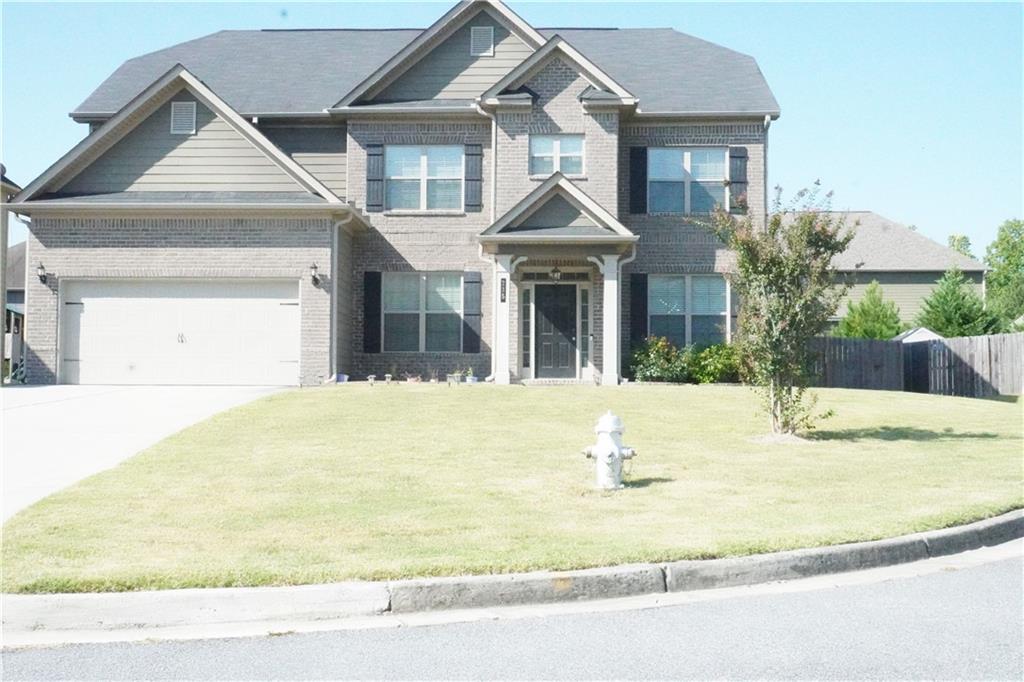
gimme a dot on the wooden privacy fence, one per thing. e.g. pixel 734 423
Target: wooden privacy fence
pixel 970 366
pixel 858 363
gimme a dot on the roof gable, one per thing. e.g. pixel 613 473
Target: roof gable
pixel 437 33
pixel 557 48
pixel 449 71
pixel 557 210
pixel 140 109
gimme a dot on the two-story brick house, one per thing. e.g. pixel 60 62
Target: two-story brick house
pixel 281 206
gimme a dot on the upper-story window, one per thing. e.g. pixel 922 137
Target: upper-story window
pixel 481 41
pixel 423 178
pixel 686 179
pixel 550 153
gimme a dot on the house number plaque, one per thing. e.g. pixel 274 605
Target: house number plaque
pixel 504 289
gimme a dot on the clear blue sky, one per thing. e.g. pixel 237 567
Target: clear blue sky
pixel 910 110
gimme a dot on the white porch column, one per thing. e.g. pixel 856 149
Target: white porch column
pixel 610 355
pixel 502 318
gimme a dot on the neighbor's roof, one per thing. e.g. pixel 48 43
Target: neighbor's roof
pixel 16 267
pixel 306 71
pixel 6 181
pixel 883 245
pixel 255 198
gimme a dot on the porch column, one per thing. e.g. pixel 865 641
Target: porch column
pixel 610 359
pixel 500 351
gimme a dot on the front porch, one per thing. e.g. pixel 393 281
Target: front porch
pixel 557 259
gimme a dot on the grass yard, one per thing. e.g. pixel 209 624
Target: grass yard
pixel 350 481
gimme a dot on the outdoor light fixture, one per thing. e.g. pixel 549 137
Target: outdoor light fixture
pixel 314 275
pixel 41 272
pixel 556 274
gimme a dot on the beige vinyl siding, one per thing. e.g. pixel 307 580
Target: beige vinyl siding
pixel 150 158
pixel 907 290
pixel 450 72
pixel 319 149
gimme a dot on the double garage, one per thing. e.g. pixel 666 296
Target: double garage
pixel 167 331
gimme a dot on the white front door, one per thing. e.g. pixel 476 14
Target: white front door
pixel 180 332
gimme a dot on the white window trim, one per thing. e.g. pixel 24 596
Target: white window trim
pixel 423 178
pixel 687 178
pixel 422 310
pixel 687 312
pixel 556 155
pixel 187 105
pixel 490 31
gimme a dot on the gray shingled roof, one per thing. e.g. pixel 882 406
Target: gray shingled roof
pixel 16 267
pixel 883 245
pixel 306 71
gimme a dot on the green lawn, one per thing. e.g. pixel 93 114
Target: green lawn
pixel 350 481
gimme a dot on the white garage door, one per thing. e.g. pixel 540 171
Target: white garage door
pixel 180 332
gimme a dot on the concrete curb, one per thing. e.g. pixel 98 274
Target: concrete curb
pixel 169 608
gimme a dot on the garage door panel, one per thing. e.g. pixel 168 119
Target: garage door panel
pixel 181 332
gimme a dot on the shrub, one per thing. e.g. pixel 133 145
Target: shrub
pixel 954 308
pixel 718 363
pixel 658 360
pixel 872 318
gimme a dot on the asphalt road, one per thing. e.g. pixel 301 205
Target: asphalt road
pixel 955 624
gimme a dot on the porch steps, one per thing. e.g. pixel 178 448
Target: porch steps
pixel 557 382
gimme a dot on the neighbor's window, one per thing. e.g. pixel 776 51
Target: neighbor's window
pixel 422 311
pixel 550 153
pixel 686 180
pixel 423 178
pixel 688 309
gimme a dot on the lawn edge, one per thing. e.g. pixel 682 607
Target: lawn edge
pixel 106 611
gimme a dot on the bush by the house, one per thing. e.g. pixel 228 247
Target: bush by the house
pixel 871 318
pixel 658 360
pixel 716 364
pixel 954 308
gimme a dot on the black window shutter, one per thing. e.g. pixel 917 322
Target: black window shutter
pixel 474 178
pixel 371 312
pixel 374 178
pixel 738 179
pixel 638 179
pixel 472 287
pixel 637 309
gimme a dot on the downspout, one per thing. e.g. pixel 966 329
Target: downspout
pixel 767 125
pixel 494 208
pixel 335 242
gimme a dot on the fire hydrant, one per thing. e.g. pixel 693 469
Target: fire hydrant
pixel 609 452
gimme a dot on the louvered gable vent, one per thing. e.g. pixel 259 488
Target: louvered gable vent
pixel 481 41
pixel 183 118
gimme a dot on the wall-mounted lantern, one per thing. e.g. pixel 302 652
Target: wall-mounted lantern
pixel 41 272
pixel 314 275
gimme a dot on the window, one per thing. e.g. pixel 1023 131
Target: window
pixel 183 118
pixel 525 317
pixel 550 153
pixel 481 41
pixel 422 311
pixel 423 178
pixel 685 180
pixel 688 309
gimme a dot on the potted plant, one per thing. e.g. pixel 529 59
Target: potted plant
pixel 373 377
pixel 412 378
pixel 470 379
pixel 455 377
pixel 387 379
pixel 433 375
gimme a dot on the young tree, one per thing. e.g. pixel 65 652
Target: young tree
pixel 871 318
pixel 954 308
pixel 1004 283
pixel 789 289
pixel 961 243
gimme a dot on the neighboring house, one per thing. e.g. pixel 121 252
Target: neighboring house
pixel 14 322
pixel 12 287
pixel 904 262
pixel 281 206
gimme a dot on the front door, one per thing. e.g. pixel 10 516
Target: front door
pixel 556 331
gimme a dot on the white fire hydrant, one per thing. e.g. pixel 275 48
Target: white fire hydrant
pixel 609 452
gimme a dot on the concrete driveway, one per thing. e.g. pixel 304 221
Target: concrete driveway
pixel 53 436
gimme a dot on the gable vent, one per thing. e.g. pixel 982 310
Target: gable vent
pixel 183 118
pixel 481 41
